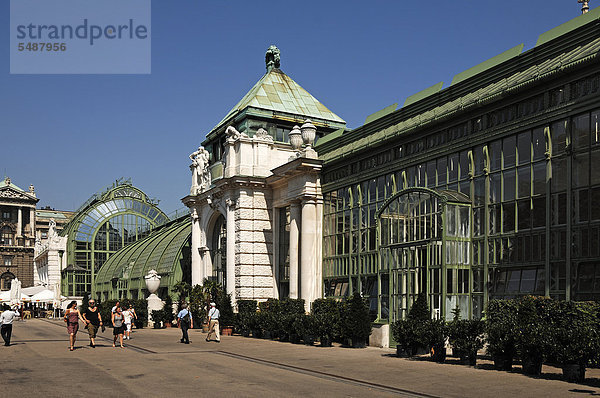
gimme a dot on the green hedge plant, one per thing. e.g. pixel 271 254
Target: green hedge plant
pixel 466 338
pixel 356 321
pixel 500 327
pixel 327 318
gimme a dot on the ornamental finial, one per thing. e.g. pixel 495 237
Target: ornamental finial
pixel 584 6
pixel 272 58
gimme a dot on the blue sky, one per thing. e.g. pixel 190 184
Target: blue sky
pixel 71 135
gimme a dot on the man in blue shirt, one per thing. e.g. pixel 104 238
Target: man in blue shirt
pixel 185 320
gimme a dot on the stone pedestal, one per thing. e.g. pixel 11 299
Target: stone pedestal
pixel 154 304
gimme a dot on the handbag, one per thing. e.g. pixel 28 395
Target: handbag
pixel 103 328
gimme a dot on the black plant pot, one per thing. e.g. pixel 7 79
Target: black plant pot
pixel 503 362
pixel 257 333
pixel 573 373
pixel 532 366
pixel 358 343
pixel 438 353
pixel 309 339
pixel 325 341
pixel 294 338
pixel 246 333
pixel 267 334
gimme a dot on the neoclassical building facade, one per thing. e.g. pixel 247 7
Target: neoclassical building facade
pixel 17 233
pixel 256 200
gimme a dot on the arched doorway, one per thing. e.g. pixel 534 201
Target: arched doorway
pixel 219 251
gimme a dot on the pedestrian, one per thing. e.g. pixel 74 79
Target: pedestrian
pixel 93 320
pixel 6 319
pixel 213 327
pixel 72 317
pixel 129 315
pixel 114 309
pixel 185 321
pixel 118 326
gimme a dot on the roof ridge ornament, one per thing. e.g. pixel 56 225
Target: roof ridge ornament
pixel 584 6
pixel 272 58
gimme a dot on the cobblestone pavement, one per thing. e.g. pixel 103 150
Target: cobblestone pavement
pixel 155 364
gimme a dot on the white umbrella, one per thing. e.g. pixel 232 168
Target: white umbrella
pixel 5 295
pixel 44 296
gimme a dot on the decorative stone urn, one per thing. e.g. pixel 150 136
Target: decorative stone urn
pixel 154 302
pixel 152 281
pixel 296 138
pixel 309 133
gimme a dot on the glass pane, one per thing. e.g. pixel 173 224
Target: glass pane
pixel 524 181
pixel 539 178
pixel 559 137
pixel 495 153
pixel 581 170
pixel 580 133
pixel 508 217
pixel 508 185
pixel 539 144
pixel 509 152
pixel 524 147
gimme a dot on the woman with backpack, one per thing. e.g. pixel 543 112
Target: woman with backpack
pixel 185 321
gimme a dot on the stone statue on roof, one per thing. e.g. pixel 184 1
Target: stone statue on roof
pixel 200 171
pixel 52 232
pixel 272 57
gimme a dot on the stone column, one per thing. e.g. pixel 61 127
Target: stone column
pixel 294 247
pixel 308 252
pixel 19 222
pixel 197 262
pixel 230 249
pixel 32 222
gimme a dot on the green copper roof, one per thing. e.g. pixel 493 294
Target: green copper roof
pixel 490 63
pixel 276 91
pixel 381 113
pixel 568 26
pixel 422 94
pixel 362 138
pixel 56 214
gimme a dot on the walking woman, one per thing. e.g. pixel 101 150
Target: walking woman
pixel 72 317
pixel 93 320
pixel 118 326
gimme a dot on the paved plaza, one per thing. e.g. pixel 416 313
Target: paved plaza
pixel 155 364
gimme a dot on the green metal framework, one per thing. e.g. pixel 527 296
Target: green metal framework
pixel 520 140
pixel 424 247
pixel 167 250
pixel 108 221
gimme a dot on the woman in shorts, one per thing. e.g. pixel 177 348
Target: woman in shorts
pixel 72 317
pixel 118 322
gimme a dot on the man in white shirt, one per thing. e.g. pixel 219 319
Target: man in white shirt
pixel 6 319
pixel 213 327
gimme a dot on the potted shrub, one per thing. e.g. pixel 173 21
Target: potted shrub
pixel 434 334
pixel 198 307
pixel 409 333
pixel 532 332
pixel 256 324
pixel 326 315
pixel 466 337
pixel 305 326
pixel 226 320
pixel 356 321
pixel 500 326
pixel 574 336
pixel 289 310
pixel 246 308
pixel 168 312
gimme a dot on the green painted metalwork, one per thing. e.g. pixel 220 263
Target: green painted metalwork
pixel 490 63
pixel 423 94
pixel 108 221
pixel 166 250
pixel 381 113
pixel 569 26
